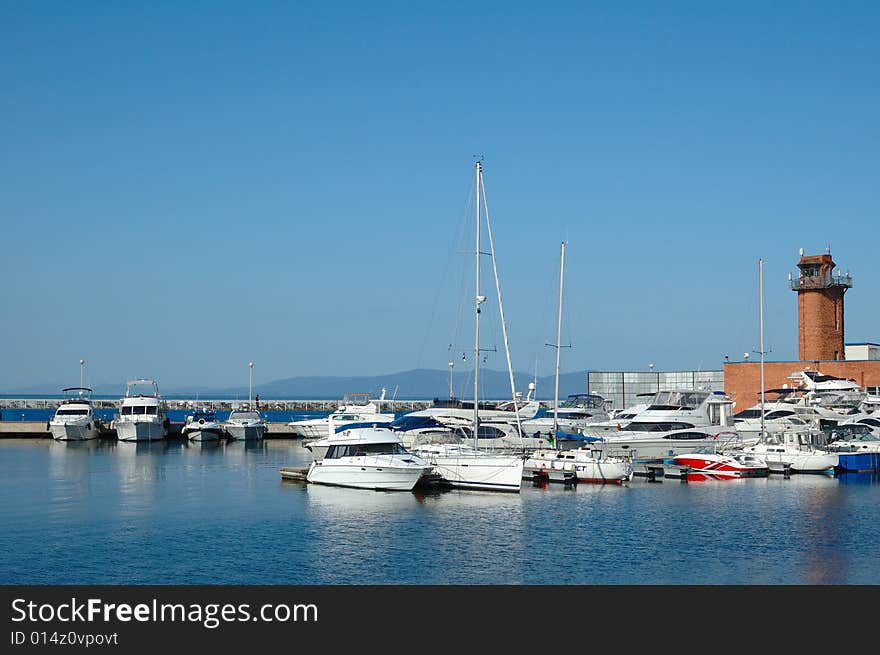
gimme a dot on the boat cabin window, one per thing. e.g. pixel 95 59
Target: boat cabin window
pixel 748 413
pixel 71 412
pixel 126 411
pixel 870 421
pixel 687 436
pixel 141 410
pixel 779 413
pixel 578 415
pixel 650 426
pixel 484 432
pixel 357 450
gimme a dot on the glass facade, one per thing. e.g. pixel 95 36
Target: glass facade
pixel 627 388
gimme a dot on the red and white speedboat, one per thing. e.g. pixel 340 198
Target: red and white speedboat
pixel 718 466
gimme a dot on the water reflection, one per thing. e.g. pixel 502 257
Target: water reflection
pixel 121 505
pixel 858 478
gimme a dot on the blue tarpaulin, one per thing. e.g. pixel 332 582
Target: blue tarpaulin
pixel 567 436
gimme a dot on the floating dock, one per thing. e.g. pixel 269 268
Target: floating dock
pixel 656 472
pixel 40 430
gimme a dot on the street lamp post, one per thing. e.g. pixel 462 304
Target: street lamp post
pixel 82 363
pixel 451 365
pixel 250 382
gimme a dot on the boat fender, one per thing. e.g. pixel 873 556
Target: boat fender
pixel 88 426
pixel 47 426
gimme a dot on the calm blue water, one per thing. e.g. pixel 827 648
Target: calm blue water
pixel 105 512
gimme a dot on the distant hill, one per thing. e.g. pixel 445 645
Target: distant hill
pixel 416 384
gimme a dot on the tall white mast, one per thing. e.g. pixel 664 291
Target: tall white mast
pixel 761 315
pixel 250 383
pixel 501 312
pixel 558 341
pixel 478 301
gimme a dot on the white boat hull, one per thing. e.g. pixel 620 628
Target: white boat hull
pixel 357 476
pixel 140 431
pixel 310 430
pixel 483 471
pixel 204 435
pixel 799 462
pixel 586 469
pixel 73 431
pixel 246 432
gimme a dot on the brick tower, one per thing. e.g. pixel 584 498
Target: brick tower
pixel 820 307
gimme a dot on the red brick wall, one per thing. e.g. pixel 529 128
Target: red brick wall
pixel 742 380
pixel 820 324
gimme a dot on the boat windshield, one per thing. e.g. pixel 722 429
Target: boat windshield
pixel 244 416
pixel 583 400
pixel 358 450
pixel 678 399
pixel 851 432
pixel 140 409
pixel 71 412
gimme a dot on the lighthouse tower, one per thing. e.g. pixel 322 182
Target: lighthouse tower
pixel 820 292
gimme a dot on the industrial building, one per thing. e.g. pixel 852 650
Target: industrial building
pixel 628 388
pixel 821 287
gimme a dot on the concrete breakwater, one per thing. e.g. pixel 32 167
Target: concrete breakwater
pixel 295 405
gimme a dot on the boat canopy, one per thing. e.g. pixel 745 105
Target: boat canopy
pixel 568 436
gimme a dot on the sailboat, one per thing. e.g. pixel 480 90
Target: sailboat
pixel 585 464
pixel 791 449
pixel 461 465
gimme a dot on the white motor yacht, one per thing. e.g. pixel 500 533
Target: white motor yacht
pixel 202 425
pixel 368 458
pixel 244 423
pixel 142 416
pixel 675 422
pixel 355 408
pixel 75 419
pixel 661 444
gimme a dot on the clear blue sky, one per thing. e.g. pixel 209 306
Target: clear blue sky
pixel 189 186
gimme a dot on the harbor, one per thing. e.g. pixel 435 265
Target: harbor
pixel 159 512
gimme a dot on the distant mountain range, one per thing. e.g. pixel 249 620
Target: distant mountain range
pixel 416 384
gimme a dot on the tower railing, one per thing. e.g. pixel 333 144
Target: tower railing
pixel 821 281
